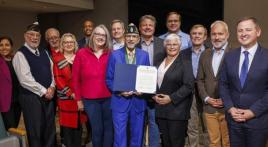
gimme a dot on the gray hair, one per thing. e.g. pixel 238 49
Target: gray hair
pixel 172 36
pixel 108 44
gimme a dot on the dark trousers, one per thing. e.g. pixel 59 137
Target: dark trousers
pixel 173 132
pixel 12 117
pixel 241 136
pixel 100 115
pixel 39 119
pixel 72 136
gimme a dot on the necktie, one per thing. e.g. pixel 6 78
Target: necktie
pixel 36 53
pixel 130 57
pixel 244 69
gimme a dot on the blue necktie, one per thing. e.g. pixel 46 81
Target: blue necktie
pixel 244 69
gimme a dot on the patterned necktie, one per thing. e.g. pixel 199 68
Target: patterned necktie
pixel 244 69
pixel 130 57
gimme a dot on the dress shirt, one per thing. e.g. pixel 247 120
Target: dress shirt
pixel 195 59
pixel 251 54
pixel 24 74
pixel 162 70
pixel 185 39
pixel 131 56
pixel 149 48
pixel 117 45
pixel 216 59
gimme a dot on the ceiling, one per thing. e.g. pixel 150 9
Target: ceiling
pixel 46 6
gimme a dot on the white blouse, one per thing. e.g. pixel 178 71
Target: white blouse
pixel 162 70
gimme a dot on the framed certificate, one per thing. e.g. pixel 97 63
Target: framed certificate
pixel 129 77
pixel 146 79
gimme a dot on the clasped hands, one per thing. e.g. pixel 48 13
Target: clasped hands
pixel 50 93
pixel 217 103
pixel 130 93
pixel 162 99
pixel 241 115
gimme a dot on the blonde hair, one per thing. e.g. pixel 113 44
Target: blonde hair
pixel 62 40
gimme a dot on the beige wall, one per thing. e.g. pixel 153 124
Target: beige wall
pixel 14 23
pixel 103 13
pixel 235 9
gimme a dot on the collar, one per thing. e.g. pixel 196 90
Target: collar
pixel 251 50
pixel 151 40
pixel 223 48
pixel 128 51
pixel 201 49
pixel 31 49
pixel 115 42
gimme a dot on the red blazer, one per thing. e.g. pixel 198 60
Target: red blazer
pixel 5 86
pixel 68 110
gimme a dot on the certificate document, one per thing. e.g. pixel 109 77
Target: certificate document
pixel 146 79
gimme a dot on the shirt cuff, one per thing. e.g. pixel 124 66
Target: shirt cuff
pixel 206 99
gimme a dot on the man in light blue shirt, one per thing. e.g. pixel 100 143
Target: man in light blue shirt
pixel 118 30
pixel 173 25
pixel 192 54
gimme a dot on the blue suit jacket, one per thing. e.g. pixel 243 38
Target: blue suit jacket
pixel 254 94
pixel 119 103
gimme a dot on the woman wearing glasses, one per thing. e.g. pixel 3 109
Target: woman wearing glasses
pixel 175 85
pixel 70 115
pixel 91 91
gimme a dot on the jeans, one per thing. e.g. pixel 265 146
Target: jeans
pixel 100 115
pixel 154 136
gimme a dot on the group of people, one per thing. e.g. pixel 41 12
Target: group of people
pixel 226 87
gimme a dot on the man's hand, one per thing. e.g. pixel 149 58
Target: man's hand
pixel 236 114
pixel 50 93
pixel 217 103
pixel 247 114
pixel 127 93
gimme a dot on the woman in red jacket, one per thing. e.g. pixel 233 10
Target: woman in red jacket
pixel 89 85
pixel 70 117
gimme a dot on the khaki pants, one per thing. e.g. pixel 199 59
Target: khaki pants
pixel 217 130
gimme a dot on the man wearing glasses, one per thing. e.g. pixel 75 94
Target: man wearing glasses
pixel 174 26
pixel 127 106
pixel 33 68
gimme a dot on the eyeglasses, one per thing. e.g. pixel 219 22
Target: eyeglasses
pixel 133 36
pixel 172 45
pixel 100 35
pixel 68 42
pixel 173 21
pixel 54 38
pixel 34 35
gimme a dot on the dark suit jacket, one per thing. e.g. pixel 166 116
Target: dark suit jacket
pixel 119 103
pixel 5 86
pixel 206 80
pixel 254 94
pixel 81 43
pixel 178 83
pixel 187 57
pixel 159 51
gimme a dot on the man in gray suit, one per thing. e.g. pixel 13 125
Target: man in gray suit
pixel 207 80
pixel 154 46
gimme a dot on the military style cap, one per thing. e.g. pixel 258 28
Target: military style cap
pixel 33 27
pixel 131 28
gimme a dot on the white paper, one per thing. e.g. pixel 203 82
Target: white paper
pixel 146 79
